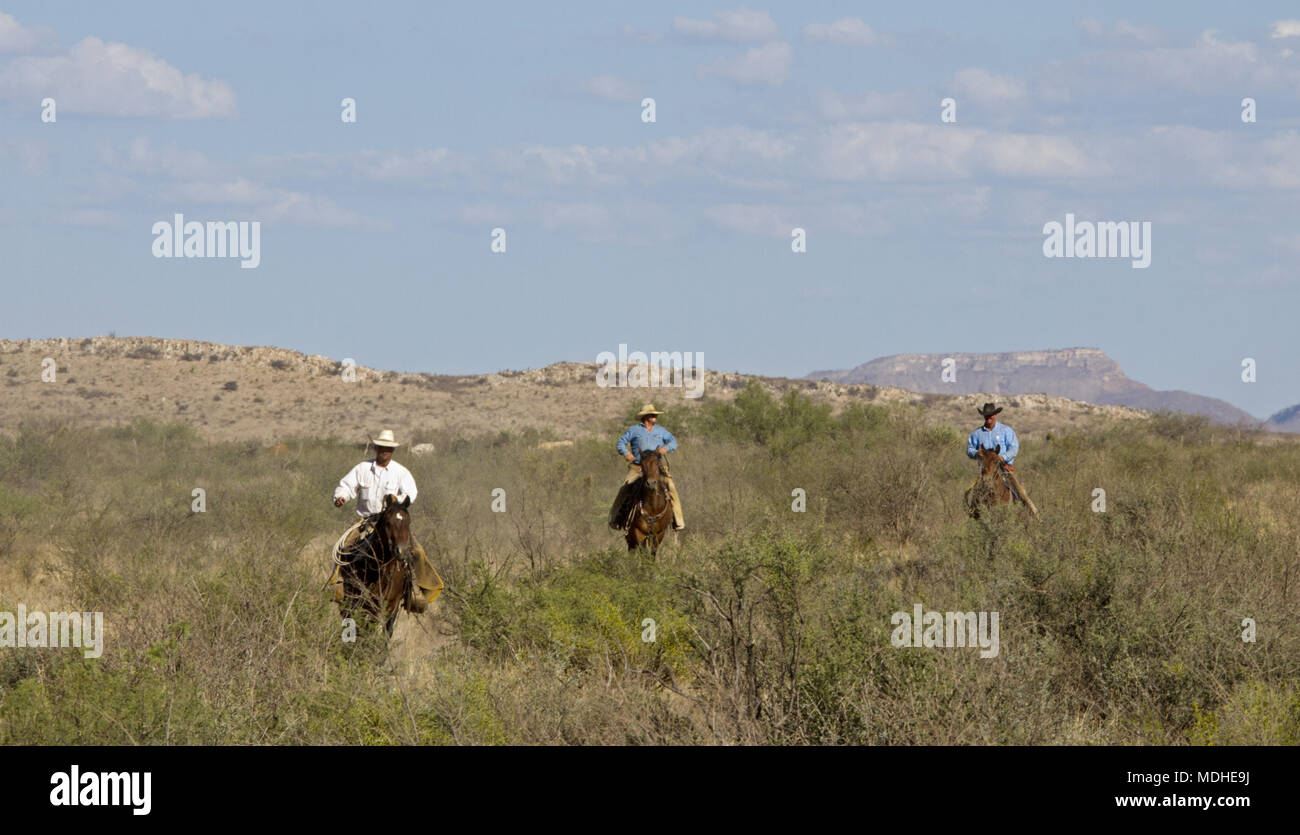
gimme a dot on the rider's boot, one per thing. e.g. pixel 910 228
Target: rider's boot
pixel 416 602
pixel 678 521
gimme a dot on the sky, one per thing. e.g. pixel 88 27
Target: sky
pixel 922 235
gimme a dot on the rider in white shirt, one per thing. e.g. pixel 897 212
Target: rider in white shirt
pixel 369 482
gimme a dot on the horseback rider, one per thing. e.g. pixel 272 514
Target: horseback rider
pixel 369 483
pixel 646 436
pixel 992 435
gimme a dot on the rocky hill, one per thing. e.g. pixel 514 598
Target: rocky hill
pixel 268 394
pixel 1077 373
pixel 1286 420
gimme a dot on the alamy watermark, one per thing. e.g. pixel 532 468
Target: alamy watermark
pixel 75 787
pixel 214 239
pixel 946 629
pixel 48 630
pixel 1105 239
pixel 660 369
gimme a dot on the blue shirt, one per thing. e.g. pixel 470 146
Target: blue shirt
pixel 645 440
pixel 999 435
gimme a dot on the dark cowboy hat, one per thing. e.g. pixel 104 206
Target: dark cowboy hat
pixel 987 409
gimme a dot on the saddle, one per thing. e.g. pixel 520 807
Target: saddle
pixel 352 542
pixel 629 500
pixel 347 548
pixel 1007 480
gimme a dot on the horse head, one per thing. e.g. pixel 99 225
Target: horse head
pixel 394 527
pixel 990 459
pixel 650 462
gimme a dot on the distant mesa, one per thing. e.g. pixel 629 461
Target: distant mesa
pixel 1287 420
pixel 1077 373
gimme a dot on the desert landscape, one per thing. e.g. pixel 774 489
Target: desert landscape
pixel 771 613
pixel 269 395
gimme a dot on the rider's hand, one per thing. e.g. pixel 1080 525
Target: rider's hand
pixel 630 457
pixel 339 501
pixel 661 450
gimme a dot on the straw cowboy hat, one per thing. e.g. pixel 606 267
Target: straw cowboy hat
pixel 987 409
pixel 648 409
pixel 385 439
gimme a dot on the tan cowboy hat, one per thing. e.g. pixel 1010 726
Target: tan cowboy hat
pixel 987 409
pixel 385 439
pixel 648 409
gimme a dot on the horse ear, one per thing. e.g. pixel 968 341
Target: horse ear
pixel 406 502
pixel 388 500
pixel 997 450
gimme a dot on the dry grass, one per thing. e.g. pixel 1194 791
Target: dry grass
pixel 772 626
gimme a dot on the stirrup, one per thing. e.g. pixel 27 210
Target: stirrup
pixel 415 599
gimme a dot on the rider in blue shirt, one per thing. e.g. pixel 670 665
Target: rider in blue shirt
pixel 643 437
pixel 993 434
pixel 638 438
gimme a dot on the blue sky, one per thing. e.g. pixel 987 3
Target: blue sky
pixel 922 236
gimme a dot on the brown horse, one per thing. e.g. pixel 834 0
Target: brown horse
pixel 653 513
pixel 376 568
pixel 990 489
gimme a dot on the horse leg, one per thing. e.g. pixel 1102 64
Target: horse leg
pixel 634 535
pixel 394 593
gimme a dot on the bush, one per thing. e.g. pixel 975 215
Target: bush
pixel 772 626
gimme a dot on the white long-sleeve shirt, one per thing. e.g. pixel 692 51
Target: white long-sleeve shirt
pixel 369 483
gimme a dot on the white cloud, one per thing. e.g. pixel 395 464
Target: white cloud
pixel 766 64
pixel 639 34
pixel 587 218
pixel 1120 31
pixel 240 192
pixel 93 218
pixel 1286 28
pixel 420 168
pixel 987 88
pixel 139 157
pixel 869 105
pixel 753 219
pixel 32 155
pixel 1228 162
pixel 311 210
pixel 113 79
pixel 738 25
pixel 1142 34
pixel 570 164
pixel 422 164
pixel 14 37
pixel 849 31
pixel 484 214
pixel 909 151
pixel 1211 63
pixel 714 153
pixel 258 201
pixel 612 88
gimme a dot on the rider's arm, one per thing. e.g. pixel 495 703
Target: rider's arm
pixel 669 442
pixel 624 440
pixel 406 487
pixel 972 445
pixel 347 489
pixel 1012 446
